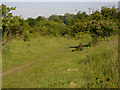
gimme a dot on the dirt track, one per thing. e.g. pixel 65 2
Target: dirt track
pixel 20 67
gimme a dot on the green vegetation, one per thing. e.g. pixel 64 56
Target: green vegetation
pixel 93 67
pixel 36 51
pixel 98 24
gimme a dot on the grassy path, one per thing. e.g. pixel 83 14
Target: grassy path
pixel 20 67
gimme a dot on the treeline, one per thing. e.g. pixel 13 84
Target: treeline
pixel 101 23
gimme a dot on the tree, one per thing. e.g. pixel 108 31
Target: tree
pixel 39 18
pixel 12 25
pixel 101 28
pixel 109 13
pixel 31 22
pixel 55 18
pixel 5 10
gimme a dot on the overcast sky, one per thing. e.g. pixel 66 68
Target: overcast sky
pixel 59 0
pixel 46 9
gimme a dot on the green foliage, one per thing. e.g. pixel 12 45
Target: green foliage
pixel 39 18
pixel 5 10
pixel 102 28
pixel 12 26
pixel 97 16
pixel 79 27
pixel 55 18
pixel 98 24
pixel 109 13
pixel 82 15
pixel 32 22
pixel 52 28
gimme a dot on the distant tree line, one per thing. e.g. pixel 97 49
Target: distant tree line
pixel 101 23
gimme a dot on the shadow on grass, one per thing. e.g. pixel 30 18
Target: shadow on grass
pixel 77 47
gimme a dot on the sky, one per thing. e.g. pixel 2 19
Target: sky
pixel 35 8
pixel 59 0
pixel 46 9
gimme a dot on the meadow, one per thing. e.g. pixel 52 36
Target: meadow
pixel 37 53
pixel 52 64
